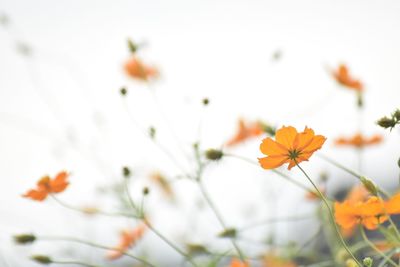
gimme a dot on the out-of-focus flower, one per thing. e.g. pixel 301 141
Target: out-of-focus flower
pixel 359 140
pixel 272 260
pixel 289 147
pixel 128 239
pixel 313 195
pixel 46 186
pixel 163 184
pixel 245 131
pixel 238 263
pixel 369 213
pixel 393 204
pixel 136 69
pixel 342 76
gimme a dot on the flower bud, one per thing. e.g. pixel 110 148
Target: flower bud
pixel 126 172
pixel 214 154
pixel 396 115
pixel 229 232
pixel 196 249
pixel 206 101
pixel 123 91
pixel 351 263
pixel 132 46
pixel 369 185
pixel 152 132
pixel 386 122
pixel 24 238
pixel 146 191
pixel 398 163
pixel 41 259
pixel 367 262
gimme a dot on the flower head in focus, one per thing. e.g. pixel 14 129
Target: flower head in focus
pixel 128 239
pixel 359 140
pixel 136 69
pixel 46 186
pixel 342 76
pixel 290 147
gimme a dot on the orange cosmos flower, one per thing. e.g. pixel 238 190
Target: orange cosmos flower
pixel 359 141
pixel 128 239
pixel 343 77
pixel 46 186
pixel 238 263
pixel 369 213
pixel 272 260
pixel 393 204
pixel 289 147
pixel 136 69
pixel 245 131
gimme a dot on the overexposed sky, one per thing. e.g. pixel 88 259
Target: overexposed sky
pixel 60 107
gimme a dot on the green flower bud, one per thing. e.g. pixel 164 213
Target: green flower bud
pixel 24 238
pixel 41 259
pixel 367 262
pixel 214 154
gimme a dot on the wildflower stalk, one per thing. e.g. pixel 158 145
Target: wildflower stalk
pixel 283 175
pixel 383 255
pixel 332 217
pixel 92 244
pixel 219 217
pixel 140 211
pixel 75 263
pixel 111 214
pixel 276 220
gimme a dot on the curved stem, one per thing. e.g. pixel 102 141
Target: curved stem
pixel 219 217
pixel 331 215
pixel 91 244
pixel 75 263
pixel 383 255
pixel 77 209
pixel 275 220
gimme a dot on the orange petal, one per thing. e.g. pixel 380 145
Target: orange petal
pixel 38 195
pixel 315 144
pixel 286 136
pixel 272 161
pixel 271 148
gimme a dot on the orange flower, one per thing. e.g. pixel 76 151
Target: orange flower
pixel 46 186
pixel 245 131
pixel 271 260
pixel 162 182
pixel 128 239
pixel 343 77
pixel 369 213
pixel 313 195
pixel 136 69
pixel 238 263
pixel 393 204
pixel 359 141
pixel 289 147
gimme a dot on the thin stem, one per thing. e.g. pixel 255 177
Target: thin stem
pixel 154 230
pixel 80 210
pixel 283 175
pixel 372 245
pixel 332 217
pixel 91 244
pixel 219 217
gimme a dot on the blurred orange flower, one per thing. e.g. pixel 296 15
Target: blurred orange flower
pixel 245 131
pixel 238 263
pixel 271 260
pixel 136 69
pixel 313 195
pixel 289 147
pixel 359 141
pixel 128 239
pixel 393 204
pixel 369 213
pixel 46 186
pixel 162 182
pixel 343 77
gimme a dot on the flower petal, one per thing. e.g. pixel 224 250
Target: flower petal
pixel 286 136
pixel 315 144
pixel 271 148
pixel 272 162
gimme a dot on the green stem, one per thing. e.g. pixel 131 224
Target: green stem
pixel 80 210
pixel 332 217
pixel 219 217
pixel 154 230
pixel 75 263
pixel 91 244
pixel 372 245
pixel 276 220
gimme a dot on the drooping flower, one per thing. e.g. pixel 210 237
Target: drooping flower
pixel 136 69
pixel 46 186
pixel 238 263
pixel 342 76
pixel 369 213
pixel 290 147
pixel 246 130
pixel 128 239
pixel 359 140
